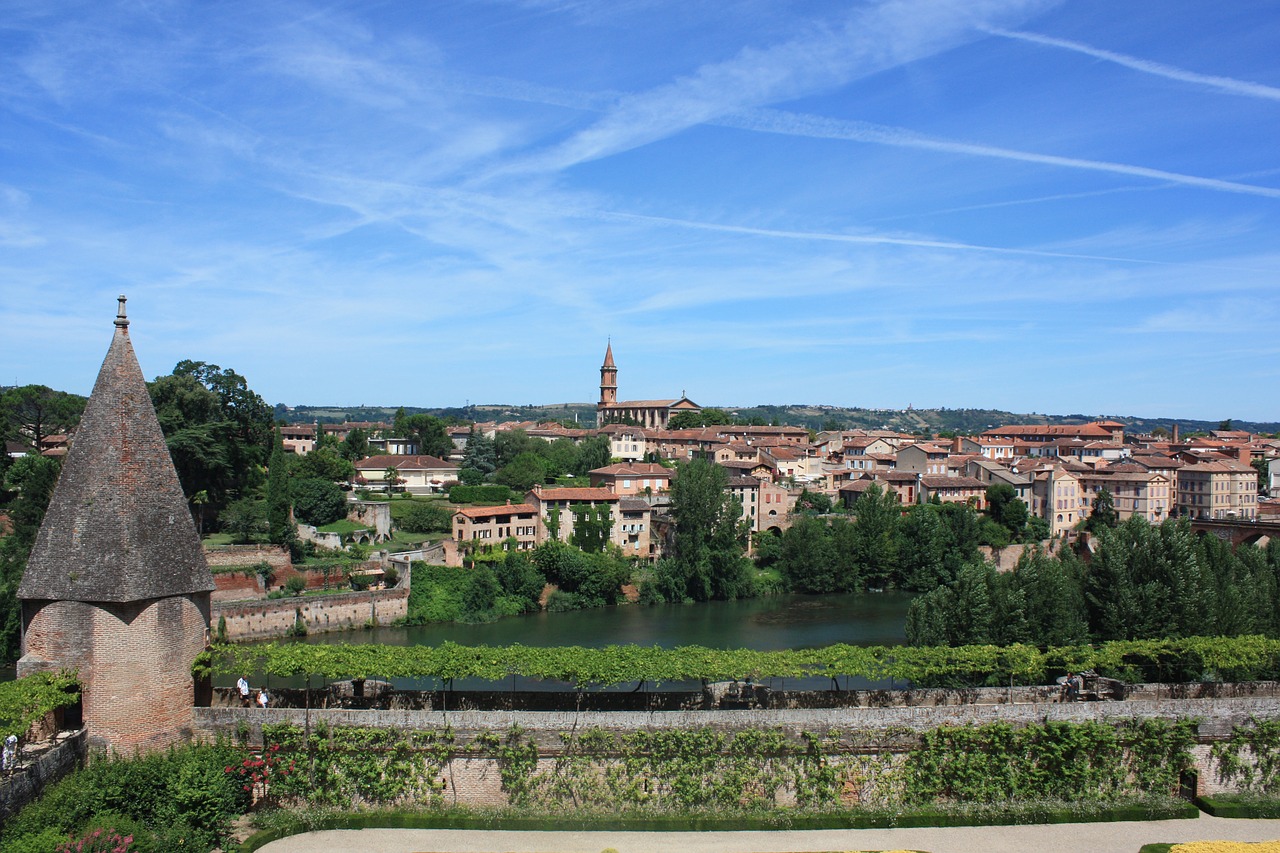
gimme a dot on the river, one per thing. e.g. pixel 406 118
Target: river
pixel 775 622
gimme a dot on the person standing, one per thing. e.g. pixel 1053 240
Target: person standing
pixel 243 686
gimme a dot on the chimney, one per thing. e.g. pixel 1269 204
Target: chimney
pixel 957 444
pixel 1175 433
pixel 1246 456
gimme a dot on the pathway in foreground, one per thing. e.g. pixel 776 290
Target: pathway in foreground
pixel 1119 837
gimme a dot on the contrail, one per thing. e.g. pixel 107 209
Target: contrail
pixel 1226 84
pixel 885 240
pixel 796 124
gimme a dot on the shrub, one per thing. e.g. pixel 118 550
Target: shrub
pixel 492 494
pixel 295 584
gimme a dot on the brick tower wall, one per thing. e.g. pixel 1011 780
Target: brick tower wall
pixel 134 661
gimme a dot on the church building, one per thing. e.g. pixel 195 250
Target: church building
pixel 649 414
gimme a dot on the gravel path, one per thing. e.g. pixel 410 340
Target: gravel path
pixel 1117 837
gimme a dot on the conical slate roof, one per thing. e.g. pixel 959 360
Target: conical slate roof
pixel 117 528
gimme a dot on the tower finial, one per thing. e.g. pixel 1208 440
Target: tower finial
pixel 122 322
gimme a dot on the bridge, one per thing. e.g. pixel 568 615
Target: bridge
pixel 1237 531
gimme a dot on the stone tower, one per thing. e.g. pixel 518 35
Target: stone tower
pixel 608 379
pixel 117 586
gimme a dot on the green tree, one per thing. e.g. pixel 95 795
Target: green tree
pixel 31 478
pixel 280 527
pixel 480 453
pixel 808 560
pixel 31 413
pixel 520 579
pixel 219 431
pixel 593 453
pixel 522 472
pixel 318 502
pixel 325 462
pixel 874 536
pixel 1102 513
pixel 816 502
pixel 922 549
pixel 429 433
pixel 355 446
pixel 1006 509
pixel 244 518
pixel 511 443
pixel 707 561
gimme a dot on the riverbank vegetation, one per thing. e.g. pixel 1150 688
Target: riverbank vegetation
pixel 1142 581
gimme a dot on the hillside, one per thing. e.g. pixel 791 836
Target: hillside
pixel 814 417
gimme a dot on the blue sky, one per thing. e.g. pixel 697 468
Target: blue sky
pixel 1033 206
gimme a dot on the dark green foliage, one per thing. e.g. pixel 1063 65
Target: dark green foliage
pixel 183 799
pixel 325 462
pixel 592 453
pixel 815 502
pixel 1103 512
pixel 479 494
pixel 1144 581
pixel 31 413
pixel 355 446
pixel 520 580
pixel 421 516
pixel 429 433
pixel 445 594
pixel 219 431
pixel 523 472
pixel 707 562
pixel 29 482
pixel 318 502
pixel 481 455
pixel 1007 510
pixel 594 580
pixel 245 519
pixel 280 527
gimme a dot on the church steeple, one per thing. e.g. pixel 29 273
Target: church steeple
pixel 608 378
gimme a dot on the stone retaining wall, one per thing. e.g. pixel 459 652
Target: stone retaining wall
pixel 29 780
pixel 252 620
pixel 882 729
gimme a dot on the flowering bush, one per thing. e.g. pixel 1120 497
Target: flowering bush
pixel 99 841
pixel 257 772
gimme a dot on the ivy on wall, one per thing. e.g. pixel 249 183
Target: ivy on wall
pixel 751 770
pixel 1250 758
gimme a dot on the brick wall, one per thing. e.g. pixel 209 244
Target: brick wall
pixel 252 620
pixel 134 661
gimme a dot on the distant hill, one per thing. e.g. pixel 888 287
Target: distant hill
pixel 813 417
